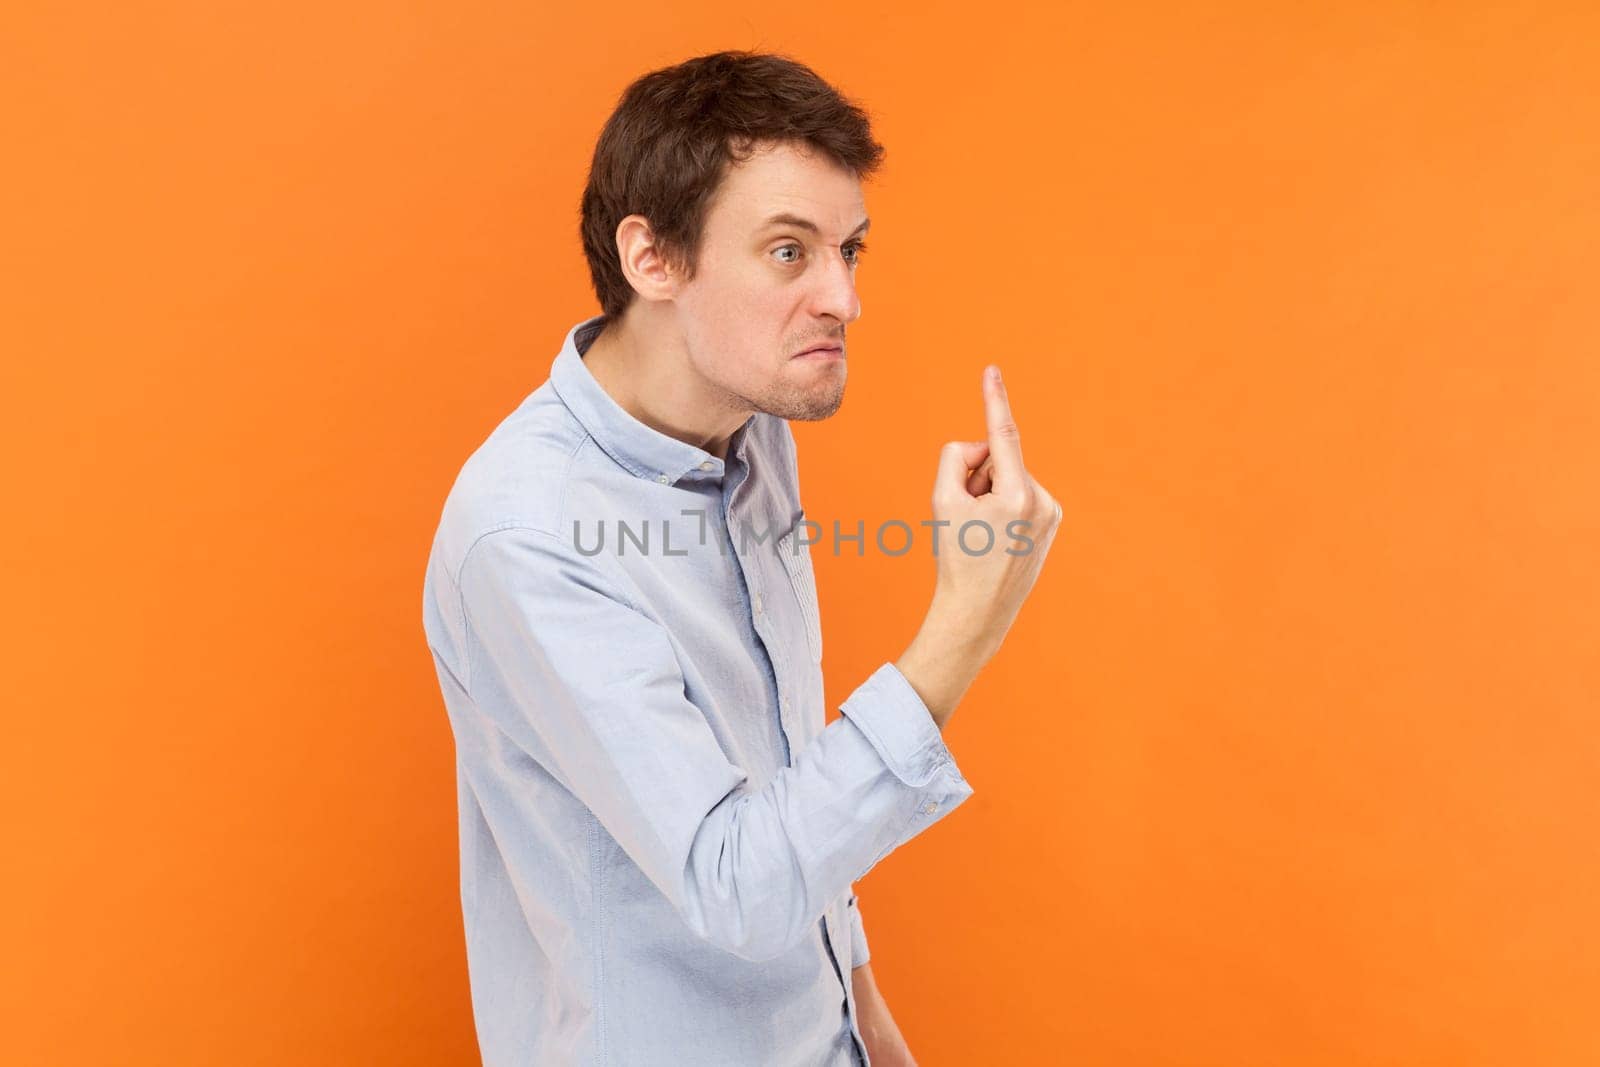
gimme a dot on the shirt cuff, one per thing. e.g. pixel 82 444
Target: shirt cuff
pixel 859 953
pixel 899 726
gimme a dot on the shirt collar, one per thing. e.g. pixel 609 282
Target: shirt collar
pixel 641 450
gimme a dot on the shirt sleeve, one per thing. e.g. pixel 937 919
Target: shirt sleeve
pixel 859 952
pixel 588 684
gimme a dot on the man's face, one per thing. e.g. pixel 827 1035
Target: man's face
pixel 764 291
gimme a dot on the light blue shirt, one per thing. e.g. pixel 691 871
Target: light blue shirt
pixel 658 833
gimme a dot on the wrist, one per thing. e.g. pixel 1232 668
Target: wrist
pixel 940 664
pixel 956 630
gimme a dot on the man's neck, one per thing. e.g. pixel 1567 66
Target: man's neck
pixel 656 385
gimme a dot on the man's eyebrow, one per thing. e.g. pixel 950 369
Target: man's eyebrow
pixel 785 219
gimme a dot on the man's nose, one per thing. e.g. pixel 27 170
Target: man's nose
pixel 836 290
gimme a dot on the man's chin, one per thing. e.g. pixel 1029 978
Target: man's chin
pixel 804 408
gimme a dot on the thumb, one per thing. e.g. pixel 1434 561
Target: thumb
pixel 956 459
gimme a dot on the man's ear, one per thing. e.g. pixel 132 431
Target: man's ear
pixel 643 262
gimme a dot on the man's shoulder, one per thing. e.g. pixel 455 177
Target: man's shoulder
pixel 516 477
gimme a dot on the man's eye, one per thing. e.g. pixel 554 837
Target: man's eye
pixel 853 251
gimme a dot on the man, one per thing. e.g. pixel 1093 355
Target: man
pixel 659 837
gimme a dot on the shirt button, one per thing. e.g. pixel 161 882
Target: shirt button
pixel 758 603
pixel 929 808
pixel 663 479
pixel 707 465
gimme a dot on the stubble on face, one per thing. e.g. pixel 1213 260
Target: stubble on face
pixel 815 400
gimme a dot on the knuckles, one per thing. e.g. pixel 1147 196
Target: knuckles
pixel 1029 500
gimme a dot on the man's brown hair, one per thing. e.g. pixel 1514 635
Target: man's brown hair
pixel 676 132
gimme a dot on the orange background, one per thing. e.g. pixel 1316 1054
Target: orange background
pixel 1292 757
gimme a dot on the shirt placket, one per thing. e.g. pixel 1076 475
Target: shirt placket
pixel 761 575
pixel 761 587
